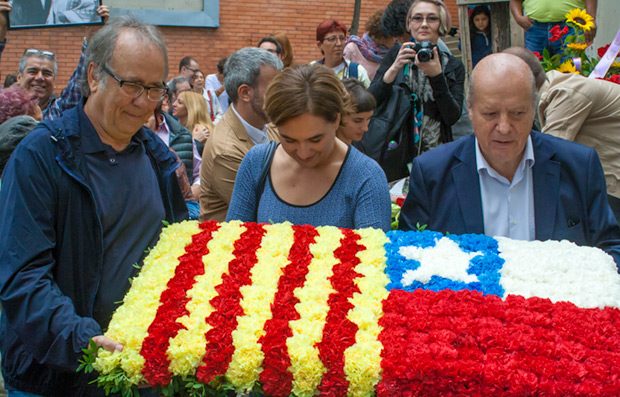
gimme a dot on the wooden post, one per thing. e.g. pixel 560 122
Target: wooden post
pixel 504 30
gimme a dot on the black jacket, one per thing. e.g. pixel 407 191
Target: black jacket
pixel 448 89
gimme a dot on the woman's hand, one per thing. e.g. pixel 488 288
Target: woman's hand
pixel 405 55
pixel 431 68
pixel 201 133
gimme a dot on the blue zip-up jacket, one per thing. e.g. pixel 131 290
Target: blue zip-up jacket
pixel 51 255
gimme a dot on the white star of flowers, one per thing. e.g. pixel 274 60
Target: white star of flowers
pixel 445 259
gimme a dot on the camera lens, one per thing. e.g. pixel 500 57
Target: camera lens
pixel 424 55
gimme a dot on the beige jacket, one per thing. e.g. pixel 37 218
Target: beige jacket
pixel 221 158
pixel 586 111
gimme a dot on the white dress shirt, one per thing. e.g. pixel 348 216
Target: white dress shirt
pixel 257 136
pixel 508 207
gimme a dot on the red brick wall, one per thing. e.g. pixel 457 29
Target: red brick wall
pixel 242 23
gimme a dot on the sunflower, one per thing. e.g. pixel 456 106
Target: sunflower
pixel 580 18
pixel 577 46
pixel 615 65
pixel 567 67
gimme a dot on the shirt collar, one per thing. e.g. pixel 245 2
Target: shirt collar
pixel 526 161
pixel 257 136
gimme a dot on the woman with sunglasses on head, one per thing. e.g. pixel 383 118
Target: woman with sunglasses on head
pixel 311 177
pixel 436 78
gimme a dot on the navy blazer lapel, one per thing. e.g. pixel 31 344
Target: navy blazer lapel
pixel 467 184
pixel 546 174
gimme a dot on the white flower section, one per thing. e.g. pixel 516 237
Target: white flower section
pixel 560 271
pixel 445 259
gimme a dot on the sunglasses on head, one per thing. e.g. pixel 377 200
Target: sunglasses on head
pixel 39 52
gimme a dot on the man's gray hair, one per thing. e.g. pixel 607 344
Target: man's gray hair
pixel 174 83
pixel 101 47
pixel 39 54
pixel 243 67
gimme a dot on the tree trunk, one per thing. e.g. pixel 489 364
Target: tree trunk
pixel 356 17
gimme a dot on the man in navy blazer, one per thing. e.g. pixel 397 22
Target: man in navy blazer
pixel 506 179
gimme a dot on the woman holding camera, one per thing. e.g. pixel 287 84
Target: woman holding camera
pixel 311 177
pixel 435 77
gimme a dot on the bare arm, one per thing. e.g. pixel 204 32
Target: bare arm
pixel 591 10
pixel 516 9
pixel 5 8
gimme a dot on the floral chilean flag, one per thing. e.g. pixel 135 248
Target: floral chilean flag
pixel 303 310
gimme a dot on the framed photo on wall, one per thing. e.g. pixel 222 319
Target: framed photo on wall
pixel 47 13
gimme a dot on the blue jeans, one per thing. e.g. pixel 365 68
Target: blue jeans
pixel 194 209
pixel 537 37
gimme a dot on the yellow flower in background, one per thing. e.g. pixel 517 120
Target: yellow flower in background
pixel 567 67
pixel 577 46
pixel 580 18
pixel 615 65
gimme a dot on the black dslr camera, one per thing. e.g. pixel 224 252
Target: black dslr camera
pixel 424 50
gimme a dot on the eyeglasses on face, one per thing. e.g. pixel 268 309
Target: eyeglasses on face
pixel 134 90
pixel 333 39
pixel 193 70
pixel 34 51
pixel 430 19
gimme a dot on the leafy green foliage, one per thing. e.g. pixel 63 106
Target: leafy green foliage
pixel 88 358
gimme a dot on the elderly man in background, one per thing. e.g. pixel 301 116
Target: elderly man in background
pixel 98 186
pixel 583 110
pixel 248 72
pixel 507 180
pixel 38 70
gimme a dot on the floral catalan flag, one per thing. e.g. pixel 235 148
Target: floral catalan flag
pixel 302 310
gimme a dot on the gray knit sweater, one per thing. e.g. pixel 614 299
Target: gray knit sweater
pixel 358 198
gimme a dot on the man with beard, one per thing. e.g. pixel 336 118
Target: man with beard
pixel 248 73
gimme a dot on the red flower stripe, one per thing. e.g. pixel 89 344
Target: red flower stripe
pixel 463 343
pixel 172 306
pixel 275 378
pixel 226 304
pixel 339 332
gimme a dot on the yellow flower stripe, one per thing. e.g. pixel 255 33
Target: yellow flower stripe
pixel 188 348
pixel 272 257
pixel 130 323
pixel 362 366
pixel 306 367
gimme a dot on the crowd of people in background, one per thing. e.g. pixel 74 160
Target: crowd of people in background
pixel 90 173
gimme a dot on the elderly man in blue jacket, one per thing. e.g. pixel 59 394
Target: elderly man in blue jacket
pixel 506 180
pixel 82 198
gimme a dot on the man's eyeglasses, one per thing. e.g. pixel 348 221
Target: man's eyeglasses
pixel 34 51
pixel 134 90
pixel 430 19
pixel 333 39
pixel 193 70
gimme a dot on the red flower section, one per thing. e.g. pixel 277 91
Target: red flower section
pixel 227 305
pixel 602 50
pixel 172 306
pixel 557 34
pixel 275 378
pixel 339 332
pixel 614 78
pixel 540 57
pixel 460 342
